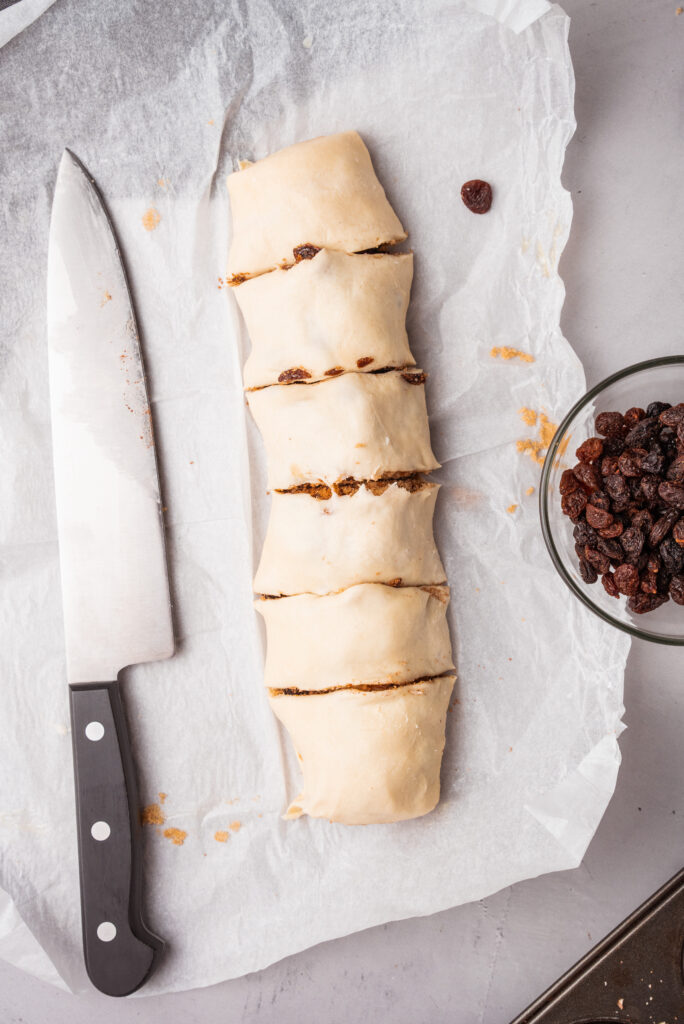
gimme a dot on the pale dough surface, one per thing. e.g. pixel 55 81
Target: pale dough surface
pixel 361 425
pixel 315 546
pixel 327 314
pixel 368 757
pixel 368 635
pixel 323 191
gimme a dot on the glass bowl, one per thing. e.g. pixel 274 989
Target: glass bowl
pixel 656 380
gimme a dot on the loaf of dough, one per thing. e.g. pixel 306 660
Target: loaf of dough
pixel 361 425
pixel 316 547
pixel 323 192
pixel 368 635
pixel 368 756
pixel 331 313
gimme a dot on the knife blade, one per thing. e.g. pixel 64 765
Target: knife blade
pixel 115 589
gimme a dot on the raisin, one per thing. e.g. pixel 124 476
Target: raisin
pixel 672 416
pixel 678 532
pixel 365 361
pixel 610 424
pixel 641 603
pixel 655 563
pixel 415 378
pixel 477 195
pixel 657 408
pixel 648 487
pixel 600 499
pixel 626 579
pixel 307 251
pixel 617 487
pixel 568 482
pixel 590 450
pixel 643 432
pixel 609 465
pixel 634 414
pixel 614 530
pixel 572 504
pixel 609 584
pixel 335 371
pixel 675 471
pixel 587 571
pixel 632 541
pixel 672 494
pixel 659 530
pixel 680 435
pixel 585 534
pixel 612 549
pixel 676 590
pixel 295 373
pixel 630 461
pixel 642 519
pixel 613 446
pixel 672 555
pixel 596 517
pixel 653 463
pixel 599 561
pixel 588 476
pixel 649 583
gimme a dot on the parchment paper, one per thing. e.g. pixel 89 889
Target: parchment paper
pixel 159 101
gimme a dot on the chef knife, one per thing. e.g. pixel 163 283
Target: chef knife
pixel 115 591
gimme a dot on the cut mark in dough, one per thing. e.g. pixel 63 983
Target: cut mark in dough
pixel 408 481
pixel 361 687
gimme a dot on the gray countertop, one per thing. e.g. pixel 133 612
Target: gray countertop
pixel 484 962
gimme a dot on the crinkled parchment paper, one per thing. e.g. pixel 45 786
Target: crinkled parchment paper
pixel 159 101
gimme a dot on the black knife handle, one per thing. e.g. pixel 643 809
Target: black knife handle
pixel 119 950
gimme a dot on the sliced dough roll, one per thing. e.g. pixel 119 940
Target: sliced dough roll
pixel 318 546
pixel 331 313
pixel 368 635
pixel 361 425
pixel 368 757
pixel 323 192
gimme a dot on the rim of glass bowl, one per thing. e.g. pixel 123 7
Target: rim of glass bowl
pixel 626 627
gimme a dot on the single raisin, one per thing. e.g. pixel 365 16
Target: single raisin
pixel 610 424
pixel 643 432
pixel 295 373
pixel 657 408
pixel 612 549
pixel 415 378
pixel 630 461
pixel 585 534
pixel 587 571
pixel 678 532
pixel 572 504
pixel 568 482
pixel 653 463
pixel 642 519
pixel 365 361
pixel 617 487
pixel 609 465
pixel 672 555
pixel 634 414
pixel 477 195
pixel 641 603
pixel 599 561
pixel 613 445
pixel 676 589
pixel 680 435
pixel 649 583
pixel 655 563
pixel 626 579
pixel 672 416
pixel 590 450
pixel 610 586
pixel 600 499
pixel 632 541
pixel 596 517
pixel 672 494
pixel 675 471
pixel 648 487
pixel 614 530
pixel 659 530
pixel 588 476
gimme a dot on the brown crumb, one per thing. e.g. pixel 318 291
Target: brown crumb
pixel 415 378
pixel 236 279
pixel 680 10
pixel 176 835
pixel 151 219
pixel 221 837
pixel 162 796
pixel 152 815
pixel 394 583
pixel 506 352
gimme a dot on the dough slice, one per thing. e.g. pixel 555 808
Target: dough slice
pixel 361 425
pixel 368 635
pixel 316 547
pixel 323 192
pixel 368 757
pixel 331 313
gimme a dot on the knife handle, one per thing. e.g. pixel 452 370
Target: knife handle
pixel 120 952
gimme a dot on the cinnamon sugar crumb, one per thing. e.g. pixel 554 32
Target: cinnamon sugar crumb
pixel 221 837
pixel 506 352
pixel 530 490
pixel 151 219
pixel 528 416
pixel 235 826
pixel 152 815
pixel 176 835
pixel 511 508
pixel 106 298
pixel 162 796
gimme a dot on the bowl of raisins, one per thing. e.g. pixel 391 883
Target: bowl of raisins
pixel 612 500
